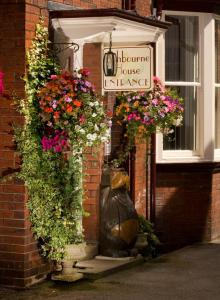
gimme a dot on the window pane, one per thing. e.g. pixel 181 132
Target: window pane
pixel 217 51
pixel 217 118
pixel 184 137
pixel 181 46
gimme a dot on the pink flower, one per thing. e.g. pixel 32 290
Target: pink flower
pixel 156 79
pixel 53 77
pixel 63 143
pixel 57 148
pixel 84 72
pixel 155 102
pixel 68 99
pixel 82 119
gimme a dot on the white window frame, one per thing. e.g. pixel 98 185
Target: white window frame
pixel 217 85
pixel 205 131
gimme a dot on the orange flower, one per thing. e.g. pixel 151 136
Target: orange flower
pixel 56 115
pixel 136 103
pixel 48 109
pixel 77 103
pixel 109 114
pixel 127 109
pixel 69 108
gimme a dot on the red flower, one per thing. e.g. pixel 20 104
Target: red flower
pixel 77 103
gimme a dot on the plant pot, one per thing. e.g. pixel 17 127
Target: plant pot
pixel 78 252
pixel 141 241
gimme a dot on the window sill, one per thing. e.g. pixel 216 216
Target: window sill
pixel 180 157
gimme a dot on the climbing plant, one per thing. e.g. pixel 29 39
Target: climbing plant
pixel 62 115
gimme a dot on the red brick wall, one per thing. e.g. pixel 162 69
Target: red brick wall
pixel 215 212
pixel 12 21
pixel 143 7
pixel 187 203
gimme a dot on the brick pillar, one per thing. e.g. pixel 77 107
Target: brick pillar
pixel 94 157
pixel 140 179
pixel 20 263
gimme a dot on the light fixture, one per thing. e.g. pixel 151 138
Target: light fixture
pixel 110 61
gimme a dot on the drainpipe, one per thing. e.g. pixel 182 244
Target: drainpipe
pixel 159 4
pixel 132 173
pixel 156 8
pixel 153 178
pixel 152 160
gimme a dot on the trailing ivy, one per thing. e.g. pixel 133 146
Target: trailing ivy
pixel 54 182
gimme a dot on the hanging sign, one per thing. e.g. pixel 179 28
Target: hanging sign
pixel 134 69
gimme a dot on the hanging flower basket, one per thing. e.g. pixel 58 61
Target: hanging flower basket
pixel 144 113
pixel 71 114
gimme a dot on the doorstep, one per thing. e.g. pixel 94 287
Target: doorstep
pixel 98 267
pixel 102 266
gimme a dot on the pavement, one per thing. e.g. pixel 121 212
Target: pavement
pixel 191 273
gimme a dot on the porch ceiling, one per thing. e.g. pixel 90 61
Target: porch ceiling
pixel 94 25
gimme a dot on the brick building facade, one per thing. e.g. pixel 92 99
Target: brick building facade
pixel 187 203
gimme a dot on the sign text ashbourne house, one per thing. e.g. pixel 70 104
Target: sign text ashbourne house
pixel 134 69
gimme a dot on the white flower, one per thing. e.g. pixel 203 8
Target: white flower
pixel 104 138
pixel 110 123
pixel 96 128
pixel 94 115
pixel 94 136
pixel 91 137
pixel 82 131
pixel 77 127
pixel 178 121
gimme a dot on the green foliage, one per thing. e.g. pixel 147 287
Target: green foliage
pixel 41 62
pixel 145 226
pixel 54 182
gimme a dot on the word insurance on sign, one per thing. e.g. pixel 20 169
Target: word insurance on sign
pixel 134 69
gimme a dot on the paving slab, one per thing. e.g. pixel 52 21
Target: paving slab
pixel 101 265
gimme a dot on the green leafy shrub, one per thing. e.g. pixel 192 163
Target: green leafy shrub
pixel 146 227
pixel 53 177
